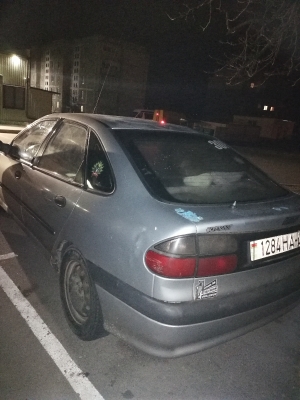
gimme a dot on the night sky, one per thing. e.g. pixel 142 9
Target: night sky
pixel 182 56
pixel 180 52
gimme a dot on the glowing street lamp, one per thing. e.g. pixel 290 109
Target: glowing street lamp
pixel 16 60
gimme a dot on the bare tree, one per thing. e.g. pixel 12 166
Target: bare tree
pixel 262 36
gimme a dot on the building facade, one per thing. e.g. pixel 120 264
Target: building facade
pixel 19 102
pixel 93 74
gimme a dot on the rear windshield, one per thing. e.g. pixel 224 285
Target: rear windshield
pixel 195 169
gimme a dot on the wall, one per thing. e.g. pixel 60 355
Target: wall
pixel 39 103
pixel 8 115
pixel 14 73
pixel 270 128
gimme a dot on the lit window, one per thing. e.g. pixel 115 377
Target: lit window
pixel 272 109
pixel 265 108
pixel 252 85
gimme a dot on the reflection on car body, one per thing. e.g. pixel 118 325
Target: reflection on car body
pixel 161 235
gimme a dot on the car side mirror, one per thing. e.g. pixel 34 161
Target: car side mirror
pixel 14 151
pixel 4 147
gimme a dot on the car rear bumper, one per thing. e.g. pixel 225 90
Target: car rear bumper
pixel 163 340
pixel 168 329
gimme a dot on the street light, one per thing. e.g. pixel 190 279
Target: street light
pixel 16 60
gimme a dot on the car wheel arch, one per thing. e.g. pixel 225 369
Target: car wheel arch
pixel 58 254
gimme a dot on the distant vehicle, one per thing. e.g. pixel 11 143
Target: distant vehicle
pixel 161 116
pixel 143 114
pixel 161 235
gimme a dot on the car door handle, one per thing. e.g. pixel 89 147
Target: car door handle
pixel 18 174
pixel 60 201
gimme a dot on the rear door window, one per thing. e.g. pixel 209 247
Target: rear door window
pixel 65 152
pixel 99 175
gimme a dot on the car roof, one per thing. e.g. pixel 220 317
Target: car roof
pixel 120 122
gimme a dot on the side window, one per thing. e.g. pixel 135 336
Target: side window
pixel 64 154
pixel 27 144
pixel 99 175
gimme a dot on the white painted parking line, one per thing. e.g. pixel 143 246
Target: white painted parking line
pixel 74 375
pixel 7 256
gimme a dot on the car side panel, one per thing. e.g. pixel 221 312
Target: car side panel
pixel 47 203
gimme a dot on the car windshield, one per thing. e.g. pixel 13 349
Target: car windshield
pixel 195 169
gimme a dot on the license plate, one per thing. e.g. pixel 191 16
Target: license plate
pixel 274 245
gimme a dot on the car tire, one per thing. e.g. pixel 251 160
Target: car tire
pixel 79 298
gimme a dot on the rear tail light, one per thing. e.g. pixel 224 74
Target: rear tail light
pixel 170 266
pixel 190 256
pixel 216 265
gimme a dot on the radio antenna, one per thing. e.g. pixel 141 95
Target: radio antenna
pixel 106 75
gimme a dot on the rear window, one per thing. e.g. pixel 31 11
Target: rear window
pixel 195 169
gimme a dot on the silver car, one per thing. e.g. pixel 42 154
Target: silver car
pixel 167 238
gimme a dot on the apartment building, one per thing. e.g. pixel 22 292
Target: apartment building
pixel 92 74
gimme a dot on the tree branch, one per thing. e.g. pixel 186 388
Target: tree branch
pixel 262 35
